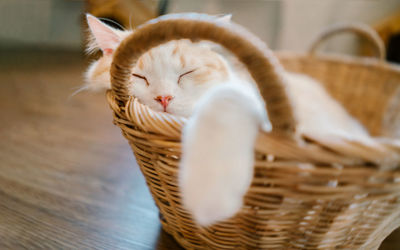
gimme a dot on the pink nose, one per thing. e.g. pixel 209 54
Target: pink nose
pixel 164 101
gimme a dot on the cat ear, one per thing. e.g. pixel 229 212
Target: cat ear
pixel 105 37
pixel 225 18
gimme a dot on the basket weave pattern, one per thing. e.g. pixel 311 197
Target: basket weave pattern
pixel 315 197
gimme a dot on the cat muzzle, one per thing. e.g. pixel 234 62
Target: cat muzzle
pixel 164 101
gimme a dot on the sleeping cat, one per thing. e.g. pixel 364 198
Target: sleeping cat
pixel 169 78
pixel 225 114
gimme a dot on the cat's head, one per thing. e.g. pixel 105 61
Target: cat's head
pixel 170 77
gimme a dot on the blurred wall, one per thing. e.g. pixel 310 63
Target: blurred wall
pixel 283 24
pixel 41 23
pixel 292 24
pixel 260 16
pixel 302 20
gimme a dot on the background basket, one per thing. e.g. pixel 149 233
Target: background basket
pixel 320 195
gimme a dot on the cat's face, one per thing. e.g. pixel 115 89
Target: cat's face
pixel 168 78
pixel 173 76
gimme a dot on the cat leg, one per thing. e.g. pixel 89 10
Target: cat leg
pixel 218 151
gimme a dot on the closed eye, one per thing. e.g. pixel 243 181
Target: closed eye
pixel 180 77
pixel 141 77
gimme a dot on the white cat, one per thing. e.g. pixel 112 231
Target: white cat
pixel 225 114
pixel 170 78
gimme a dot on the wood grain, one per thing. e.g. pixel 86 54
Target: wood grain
pixel 68 179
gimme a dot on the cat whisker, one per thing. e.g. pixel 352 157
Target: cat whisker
pixel 78 90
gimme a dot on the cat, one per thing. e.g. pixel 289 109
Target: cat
pixel 170 78
pixel 199 81
pixel 225 113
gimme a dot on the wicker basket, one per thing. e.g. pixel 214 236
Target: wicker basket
pixel 311 195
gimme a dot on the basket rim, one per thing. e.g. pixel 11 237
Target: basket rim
pixel 331 57
pixel 341 151
pixel 156 124
pixel 340 58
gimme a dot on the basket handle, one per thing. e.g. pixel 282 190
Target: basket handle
pixel 358 28
pixel 250 50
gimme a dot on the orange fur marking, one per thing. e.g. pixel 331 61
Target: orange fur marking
pixel 150 55
pixel 175 50
pixel 182 59
pixel 140 63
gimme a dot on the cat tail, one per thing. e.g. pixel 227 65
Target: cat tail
pixel 218 151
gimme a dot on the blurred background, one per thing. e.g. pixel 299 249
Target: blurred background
pixel 283 24
pixel 68 179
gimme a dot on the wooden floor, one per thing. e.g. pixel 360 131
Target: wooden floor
pixel 68 179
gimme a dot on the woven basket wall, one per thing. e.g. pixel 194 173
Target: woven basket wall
pixel 313 197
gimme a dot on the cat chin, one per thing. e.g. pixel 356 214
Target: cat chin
pixel 181 110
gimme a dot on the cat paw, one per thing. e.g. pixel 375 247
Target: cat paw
pixel 217 152
pixel 209 205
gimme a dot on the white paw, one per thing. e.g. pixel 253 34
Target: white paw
pixel 218 152
pixel 209 204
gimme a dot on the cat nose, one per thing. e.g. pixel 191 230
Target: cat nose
pixel 164 100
